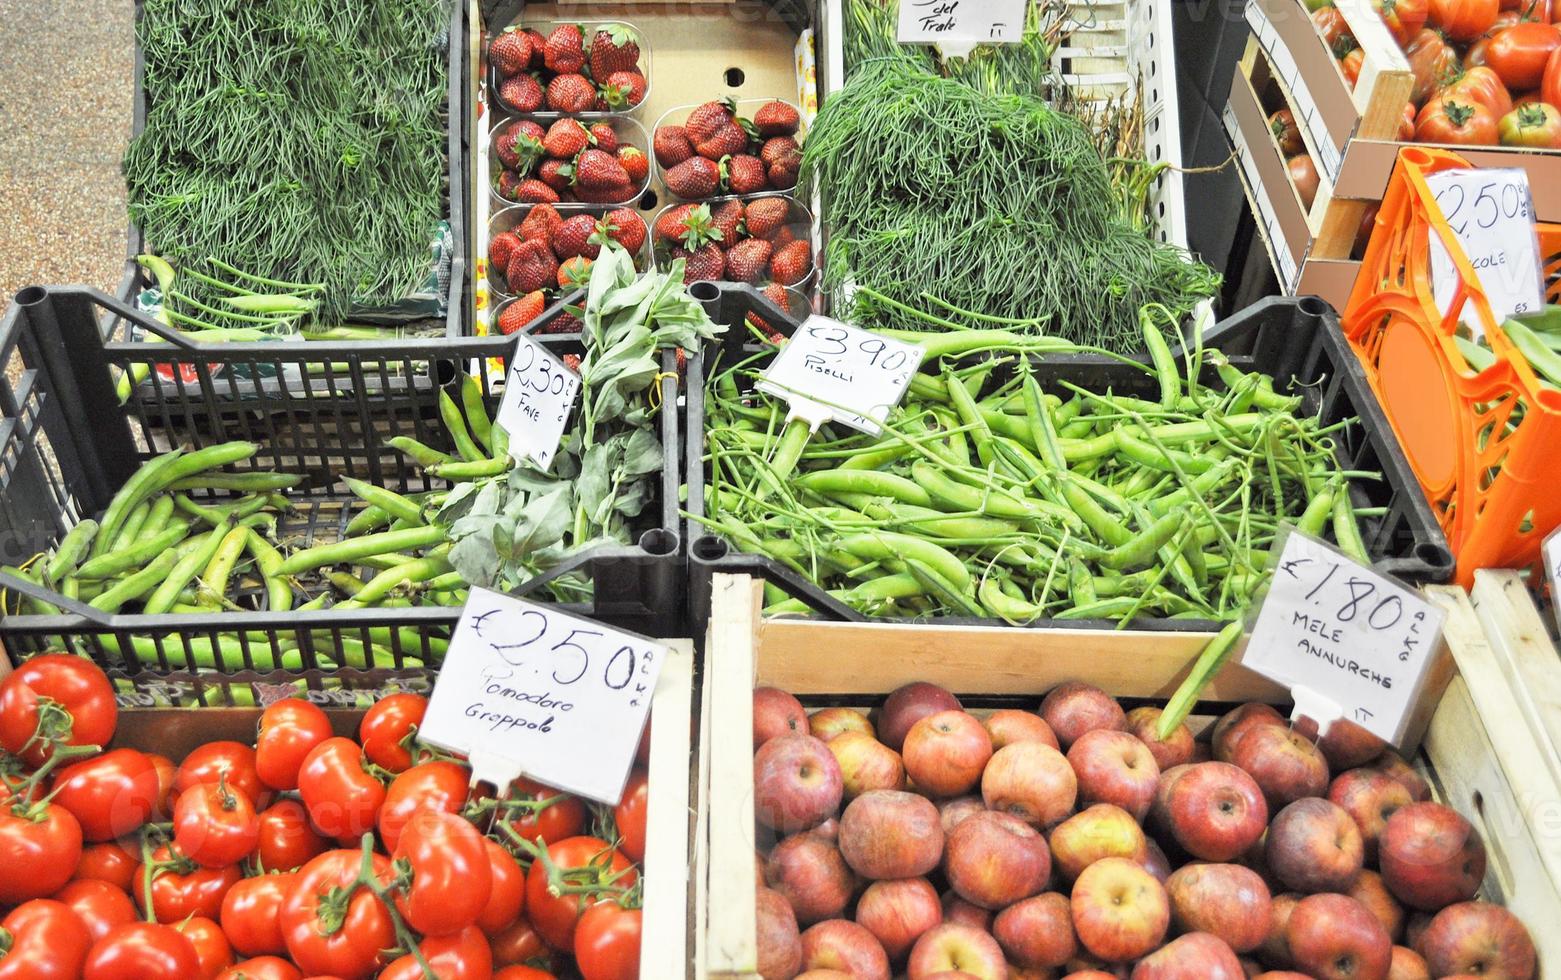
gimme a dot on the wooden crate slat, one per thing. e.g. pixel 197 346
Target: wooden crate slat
pixel 1520 643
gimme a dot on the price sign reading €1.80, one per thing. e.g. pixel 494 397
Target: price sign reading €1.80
pixel 528 689
pixel 539 391
pixel 1343 638
pixel 830 370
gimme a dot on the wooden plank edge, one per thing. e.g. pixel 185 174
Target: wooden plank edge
pixel 664 942
pixel 1528 659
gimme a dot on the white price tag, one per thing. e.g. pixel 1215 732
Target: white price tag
pixel 528 689
pixel 539 391
pixel 830 370
pixel 1349 642
pixel 1550 554
pixel 1492 214
pixel 956 26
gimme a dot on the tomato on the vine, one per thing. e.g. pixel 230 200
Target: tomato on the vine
pixel 1480 85
pixel 162 807
pixel 630 813
pixel 1519 54
pixel 212 950
pixel 261 968
pixel 1463 20
pixel 40 844
pixel 45 940
pixel 329 931
pixel 111 861
pixel 1432 61
pixel 1475 56
pixel 181 888
pixel 439 785
pixel 1536 126
pixel 518 944
pixel 139 950
pixel 55 697
pixel 1286 133
pixel 249 913
pixel 1451 121
pixel 285 840
pixel 451 880
pixel 343 798
pixel 1402 17
pixel 520 971
pixel 462 956
pixel 607 942
pixel 1334 30
pixel 215 825
pixel 589 863
pixel 507 897
pixel 389 726
pixel 1351 65
pixel 233 762
pixel 109 795
pixel 289 731
pixel 560 819
pixel 98 904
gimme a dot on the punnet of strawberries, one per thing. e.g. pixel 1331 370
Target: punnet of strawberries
pixel 925 840
pixel 574 68
pixel 763 241
pixel 550 252
pixel 714 151
pixel 567 161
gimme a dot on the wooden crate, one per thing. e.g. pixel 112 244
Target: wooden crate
pixel 1483 759
pixel 1519 638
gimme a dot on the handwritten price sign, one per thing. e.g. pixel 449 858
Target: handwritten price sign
pixel 830 370
pixel 1492 214
pixel 539 393
pixel 956 26
pixel 529 689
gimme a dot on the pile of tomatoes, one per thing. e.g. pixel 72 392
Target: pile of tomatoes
pixel 306 854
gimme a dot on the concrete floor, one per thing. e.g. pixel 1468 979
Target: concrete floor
pixel 65 79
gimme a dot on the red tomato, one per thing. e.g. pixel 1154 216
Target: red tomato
pixel 561 819
pixel 324 935
pixel 1406 124
pixel 1480 85
pixel 607 942
pixel 181 888
pixel 1475 56
pixel 522 972
pixel 261 968
pixel 463 956
pixel 1450 121
pixel 70 695
pixel 111 861
pixel 109 795
pixel 1402 17
pixel 519 944
pixel 507 898
pixel 249 913
pixel 289 731
pixel 98 904
pixel 439 785
pixel 1432 62
pixel 48 941
pixel 162 808
pixel 1286 133
pixel 629 815
pixel 1519 54
pixel 1463 20
pixel 1503 20
pixel 215 825
pixel 233 761
pixel 1303 174
pixel 211 946
pixel 342 797
pixel 1350 65
pixel 580 861
pixel 1550 86
pixel 285 840
pixel 140 950
pixel 388 728
pixel 1535 126
pixel 451 881
pixel 1335 32
pixel 39 847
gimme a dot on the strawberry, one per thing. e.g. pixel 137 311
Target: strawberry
pixel 573 272
pixel 791 263
pixel 564 322
pixel 727 219
pixel 570 93
pixel 502 248
pixel 538 49
pixel 518 312
pixel 598 170
pixel 624 89
pixel 540 223
pixel 571 361
pixel 781 149
pixel 697 230
pixel 709 262
pixel 507 184
pixel 614 48
pixel 532 267
pixel 727 141
pixel 669 224
pixel 747 260
pixel 626 227
pixel 517 146
pixel 573 237
pixel 776 118
pixel 564 51
pixel 708 119
pixel 745 174
pixel 510 52
pixel 694 178
pixel 766 215
pixel 782 178
pixel 565 139
pixel 635 163
pixel 535 192
pixel 775 293
pixel 523 93
pixel 671 146
pixel 555 174
pixel 605 137
pixel 600 105
pixel 609 194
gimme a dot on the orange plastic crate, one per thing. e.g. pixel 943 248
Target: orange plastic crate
pixel 1496 490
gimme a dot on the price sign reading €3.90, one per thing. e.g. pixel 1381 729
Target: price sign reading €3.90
pixel 539 391
pixel 830 370
pixel 1344 637
pixel 528 689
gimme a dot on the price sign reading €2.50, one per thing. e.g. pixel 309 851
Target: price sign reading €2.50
pixel 528 689
pixel 830 370
pixel 1344 636
pixel 539 391
pixel 1491 213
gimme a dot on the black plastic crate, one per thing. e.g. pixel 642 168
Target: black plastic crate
pixel 1297 341
pixel 67 445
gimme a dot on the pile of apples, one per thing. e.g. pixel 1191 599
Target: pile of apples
pixel 1075 842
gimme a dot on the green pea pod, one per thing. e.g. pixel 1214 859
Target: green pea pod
pixel 142 484
pixel 370 518
pixel 220 568
pixel 943 590
pixel 1207 665
pixel 381 585
pixel 185 571
pixel 73 546
pixel 388 501
pixel 1160 357
pixel 421 454
pixel 873 483
pixel 993 502
pixel 1015 612
pixel 467 470
pixel 889 545
pixel 476 412
pixel 115 562
pixel 352 549
pixel 1141 549
pixel 450 413
pixel 132 525
pixel 499 437
pixel 157 520
pixel 1346 532
pixel 259 482
pixel 136 585
pixel 279 594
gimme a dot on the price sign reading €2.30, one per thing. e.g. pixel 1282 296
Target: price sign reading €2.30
pixel 539 391
pixel 1342 636
pixel 830 370
pixel 528 689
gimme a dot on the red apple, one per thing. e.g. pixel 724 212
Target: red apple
pixel 1415 925
pixel 779 946
pixel 1037 933
pixel 776 713
pixel 951 812
pixel 1114 767
pixel 897 912
pixel 956 947
pixel 1280 975
pixel 1195 956
pixel 1408 965
pixel 1120 912
pixel 1032 781
pixel 945 753
pixel 993 860
pixel 829 829
pixel 1234 725
pixel 846 946
pixel 1155 862
pixel 1334 937
pixel 1478 938
pixel 809 871
pixel 1314 846
pixel 1346 745
pixel 1073 708
pixel 1275 950
pixel 1160 805
pixel 1370 797
pixel 824 974
pixel 887 833
pixel 956 909
pixel 908 705
pixel 1101 831
pixel 1174 750
pixel 796 783
pixel 1430 856
pixel 1285 765
pixel 1371 892
pixel 1394 765
pixel 1010 725
pixel 1090 973
pixel 1216 811
pixel 826 723
pixel 1224 900
pixel 866 764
